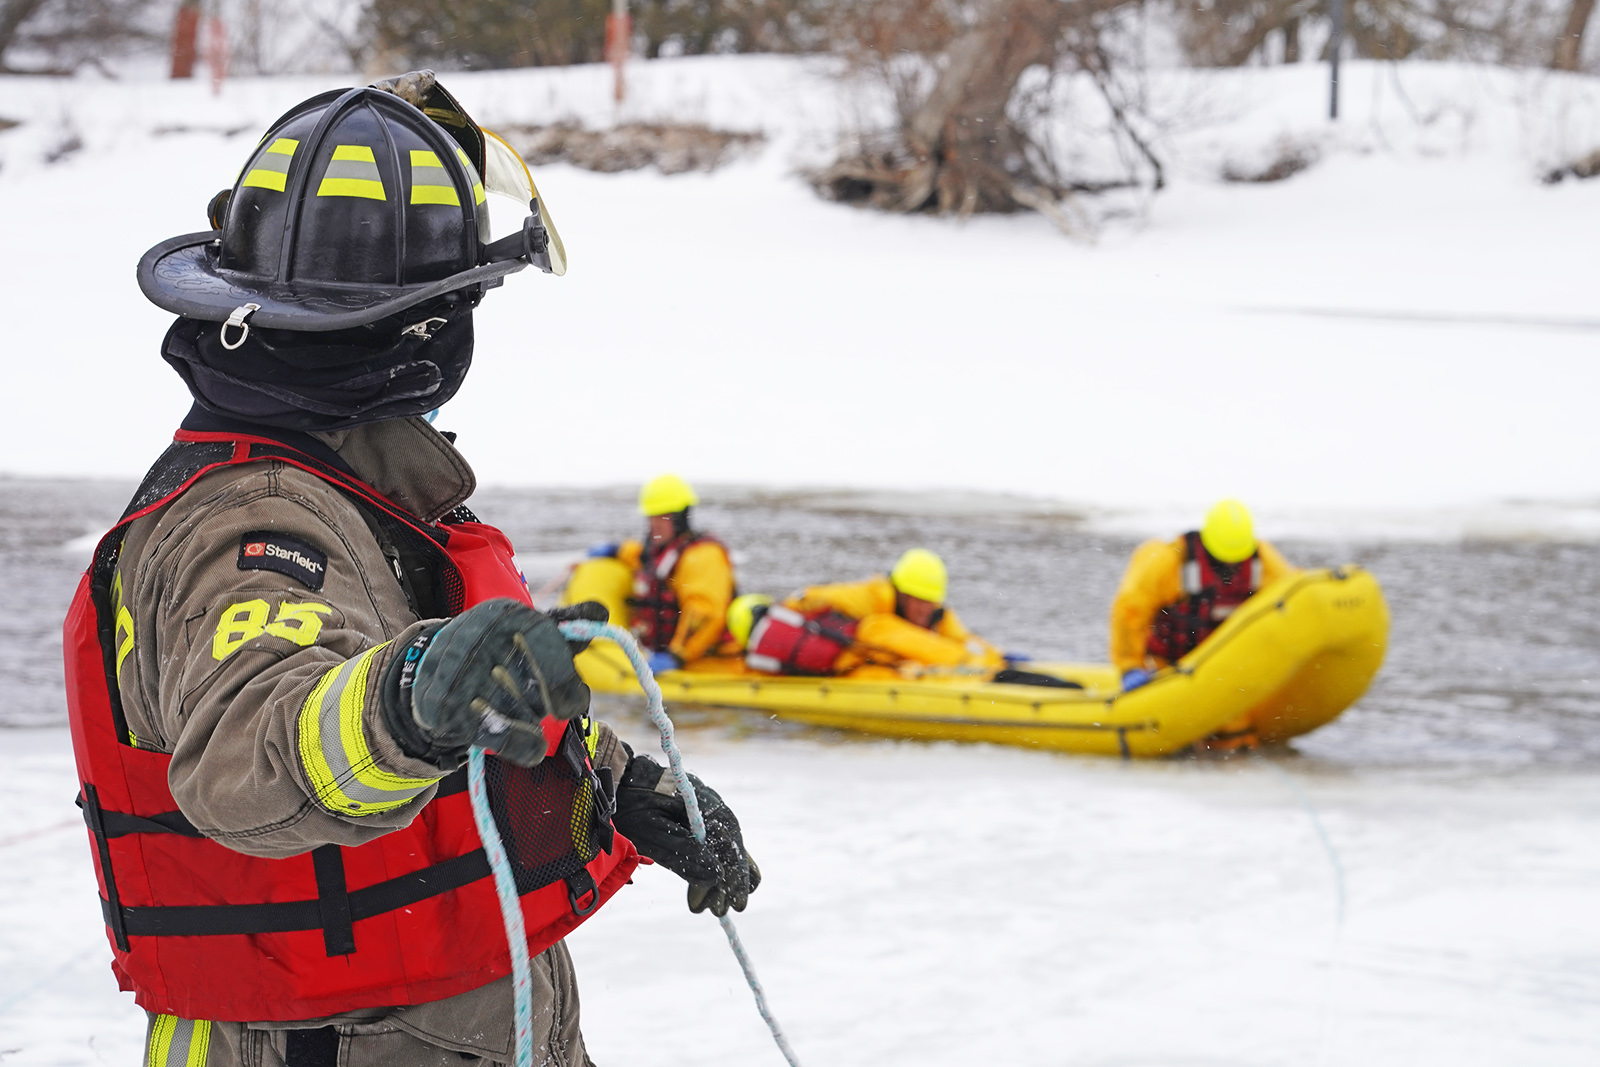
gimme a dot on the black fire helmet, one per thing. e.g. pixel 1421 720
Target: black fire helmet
pixel 355 206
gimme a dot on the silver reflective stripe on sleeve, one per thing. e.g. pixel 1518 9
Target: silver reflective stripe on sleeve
pixel 333 746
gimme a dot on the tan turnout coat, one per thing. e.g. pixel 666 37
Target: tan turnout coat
pixel 224 697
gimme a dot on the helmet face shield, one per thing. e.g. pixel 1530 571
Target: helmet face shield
pixel 506 175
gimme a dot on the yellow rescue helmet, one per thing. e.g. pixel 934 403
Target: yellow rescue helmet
pixel 742 615
pixel 921 574
pixel 1228 533
pixel 665 495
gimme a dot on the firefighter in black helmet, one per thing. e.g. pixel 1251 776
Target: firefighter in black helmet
pixel 281 656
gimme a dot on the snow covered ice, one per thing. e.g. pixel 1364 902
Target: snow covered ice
pixel 946 904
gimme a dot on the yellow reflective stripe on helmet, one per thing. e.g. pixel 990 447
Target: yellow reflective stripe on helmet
pixel 352 172
pixel 477 185
pixel 176 1042
pixel 272 168
pixel 333 746
pixel 430 182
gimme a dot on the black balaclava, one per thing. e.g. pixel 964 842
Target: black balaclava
pixel 299 380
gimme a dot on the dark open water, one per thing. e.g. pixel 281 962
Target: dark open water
pixel 1494 653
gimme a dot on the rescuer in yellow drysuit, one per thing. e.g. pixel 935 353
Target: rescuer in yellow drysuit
pixel 902 619
pixel 1175 593
pixel 682 579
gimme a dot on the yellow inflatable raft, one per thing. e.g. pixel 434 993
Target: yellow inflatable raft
pixel 1291 659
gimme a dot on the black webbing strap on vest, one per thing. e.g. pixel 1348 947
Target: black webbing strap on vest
pixel 200 420
pixel 121 824
pixel 210 920
pixel 333 900
pixel 110 902
pixel 334 912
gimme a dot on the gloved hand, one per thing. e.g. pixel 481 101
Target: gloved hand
pixel 592 610
pixel 1133 679
pixel 486 677
pixel 663 661
pixel 604 550
pixel 651 814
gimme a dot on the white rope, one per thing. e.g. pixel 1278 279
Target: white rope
pixel 505 887
pixel 1339 893
pixel 505 883
pixel 582 629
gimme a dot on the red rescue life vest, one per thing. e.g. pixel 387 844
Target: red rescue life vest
pixel 1212 590
pixel 654 603
pixel 201 931
pixel 785 641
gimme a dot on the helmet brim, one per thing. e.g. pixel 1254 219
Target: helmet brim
pixel 181 275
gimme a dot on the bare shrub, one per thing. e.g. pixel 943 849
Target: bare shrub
pixel 671 149
pixel 1227 33
pixel 965 138
pixel 1289 157
pixel 1582 168
pixel 67 144
pixel 61 36
pixel 482 34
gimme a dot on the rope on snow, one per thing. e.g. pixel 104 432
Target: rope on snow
pixel 505 883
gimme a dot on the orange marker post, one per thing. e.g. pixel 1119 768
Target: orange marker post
pixel 619 42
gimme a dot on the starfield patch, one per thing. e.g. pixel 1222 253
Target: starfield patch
pixel 264 551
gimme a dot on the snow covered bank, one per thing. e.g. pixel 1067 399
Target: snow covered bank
pixel 944 905
pixel 1173 361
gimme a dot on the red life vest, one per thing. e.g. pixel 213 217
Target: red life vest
pixel 785 641
pixel 1212 590
pixel 201 931
pixel 654 604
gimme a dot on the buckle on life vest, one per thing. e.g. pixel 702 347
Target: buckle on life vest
pixel 580 884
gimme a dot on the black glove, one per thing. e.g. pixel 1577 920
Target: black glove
pixel 592 610
pixel 650 813
pixel 486 677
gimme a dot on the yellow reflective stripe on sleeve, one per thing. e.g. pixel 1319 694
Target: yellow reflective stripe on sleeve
pixel 430 182
pixel 123 622
pixel 477 186
pixel 272 168
pixel 176 1042
pixel 352 172
pixel 344 775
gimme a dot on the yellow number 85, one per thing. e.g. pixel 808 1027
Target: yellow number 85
pixel 246 621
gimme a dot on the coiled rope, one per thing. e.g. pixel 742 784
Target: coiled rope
pixel 505 883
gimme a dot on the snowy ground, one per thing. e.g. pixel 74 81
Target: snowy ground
pixel 946 905
pixel 1400 337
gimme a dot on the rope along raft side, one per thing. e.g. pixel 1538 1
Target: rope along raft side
pixel 505 881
